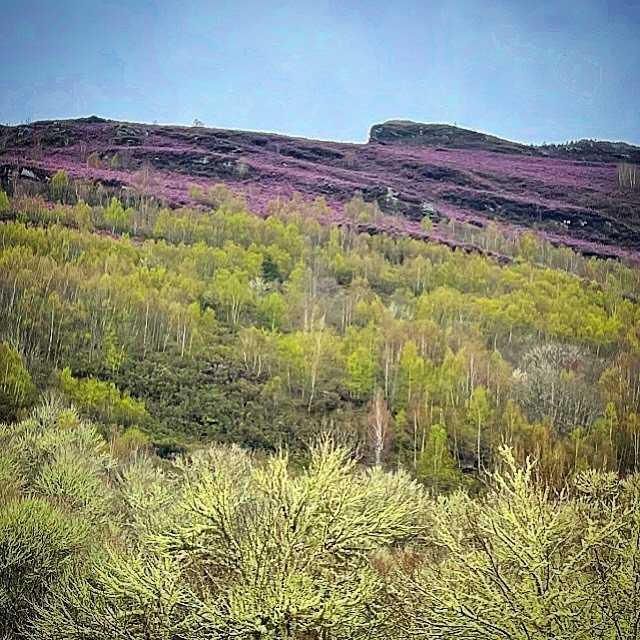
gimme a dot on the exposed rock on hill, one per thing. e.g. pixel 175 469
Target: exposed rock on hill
pixel 405 132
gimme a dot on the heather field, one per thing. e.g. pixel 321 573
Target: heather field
pixel 574 202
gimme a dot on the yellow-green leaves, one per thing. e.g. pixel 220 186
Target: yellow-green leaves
pixel 16 386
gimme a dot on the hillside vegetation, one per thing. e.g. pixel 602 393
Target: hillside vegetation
pixel 222 545
pixel 581 194
pixel 212 324
pixel 218 424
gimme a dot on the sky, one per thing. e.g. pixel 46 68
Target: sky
pixel 534 71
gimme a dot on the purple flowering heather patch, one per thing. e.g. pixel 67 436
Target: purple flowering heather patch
pixel 575 202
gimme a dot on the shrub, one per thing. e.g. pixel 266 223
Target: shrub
pixel 60 185
pixel 16 386
pixel 94 161
pixel 5 205
pixel 40 546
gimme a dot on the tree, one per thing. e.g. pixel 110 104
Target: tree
pixel 361 372
pixel 411 383
pixel 244 550
pixel 147 186
pixel 628 175
pixel 556 388
pixel 379 426
pixel 360 211
pixel 114 355
pixel 524 564
pixel 94 161
pixel 231 289
pixel 270 271
pixel 117 217
pixel 436 464
pixel 426 224
pixel 273 309
pixel 478 413
pixel 4 202
pixel 81 215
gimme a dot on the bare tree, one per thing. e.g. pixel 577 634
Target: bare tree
pixel 379 425
pixel 628 175
pixel 83 152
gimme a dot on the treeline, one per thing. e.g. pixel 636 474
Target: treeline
pixel 212 324
pixel 103 541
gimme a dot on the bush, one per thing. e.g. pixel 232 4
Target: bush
pixel 5 206
pixel 16 386
pixel 523 564
pixel 103 400
pixel 60 185
pixel 40 546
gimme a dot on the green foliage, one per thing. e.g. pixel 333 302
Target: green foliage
pixel 232 293
pixel 57 455
pixel 5 205
pixel 60 185
pixel 270 271
pixel 16 386
pixel 81 215
pixel 436 465
pixel 53 468
pixel 189 326
pixel 359 210
pixel 309 320
pixel 524 564
pixel 426 224
pixel 103 400
pixel 117 217
pixel 198 401
pixel 131 441
pixel 361 369
pixel 246 550
pixel 221 543
pixel 39 548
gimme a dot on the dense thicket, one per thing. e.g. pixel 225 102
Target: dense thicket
pixel 102 542
pixel 213 324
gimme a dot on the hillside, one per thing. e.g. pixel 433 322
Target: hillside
pixel 329 399
pixel 320 284
pixel 570 193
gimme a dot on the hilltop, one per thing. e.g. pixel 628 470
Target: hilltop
pixel 570 193
pixel 408 133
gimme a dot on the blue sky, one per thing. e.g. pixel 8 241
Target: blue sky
pixel 528 71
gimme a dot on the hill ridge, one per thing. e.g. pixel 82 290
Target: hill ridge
pixel 571 193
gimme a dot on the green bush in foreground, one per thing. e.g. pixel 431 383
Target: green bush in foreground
pixel 525 564
pixel 222 544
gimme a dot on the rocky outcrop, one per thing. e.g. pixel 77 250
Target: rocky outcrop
pixel 594 151
pixel 405 132
pixel 445 136
pixel 11 172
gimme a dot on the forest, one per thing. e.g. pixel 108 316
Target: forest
pixel 216 424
